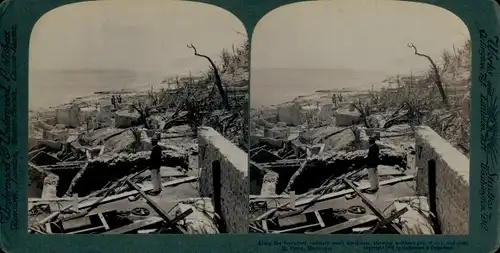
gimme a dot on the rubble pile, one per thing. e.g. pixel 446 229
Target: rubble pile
pixel 89 160
pixel 309 166
pixel 311 178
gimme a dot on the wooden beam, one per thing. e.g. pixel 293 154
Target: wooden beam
pixel 292 220
pixel 103 220
pixel 92 204
pixel 334 194
pixel 372 207
pixel 347 191
pixel 135 226
pixel 85 230
pixel 178 218
pixel 320 220
pixel 264 226
pixel 49 200
pixel 155 206
pixel 388 220
pixel 346 225
pixel 48 227
pixel 296 228
pixel 134 192
pixel 306 201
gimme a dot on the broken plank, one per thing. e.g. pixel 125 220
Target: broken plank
pixel 296 229
pixel 347 191
pixel 372 207
pixel 86 230
pixel 135 226
pixel 166 172
pixel 48 228
pixel 178 218
pixel 134 192
pixel 146 231
pixel 292 220
pixel 388 220
pixel 295 175
pixel 314 198
pixel 360 230
pixel 92 204
pixel 49 200
pixel 103 220
pixel 347 225
pixel 155 206
pixel 64 166
pixel 264 226
pixel 320 219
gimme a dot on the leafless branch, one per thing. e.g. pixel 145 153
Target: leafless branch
pixel 218 81
pixel 437 80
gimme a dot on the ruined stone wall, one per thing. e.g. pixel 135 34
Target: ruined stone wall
pixel 68 116
pixel 290 114
pixel 452 180
pixel 233 174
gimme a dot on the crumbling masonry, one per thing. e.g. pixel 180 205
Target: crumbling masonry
pixel 224 178
pixel 443 176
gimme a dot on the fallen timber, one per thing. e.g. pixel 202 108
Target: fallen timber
pixel 158 209
pixel 374 209
pixel 75 165
pixel 387 157
pixel 108 168
pixel 307 199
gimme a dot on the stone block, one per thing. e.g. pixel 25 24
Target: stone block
pixel 309 113
pixel 290 114
pixel 217 152
pixel 50 183
pixel 281 133
pixel 105 113
pixel 124 119
pixel 269 183
pixel 87 113
pixel 56 134
pixel 68 115
pixel 326 114
pixel 51 144
pixel 345 117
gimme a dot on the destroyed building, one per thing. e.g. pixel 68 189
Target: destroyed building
pixel 309 172
pixel 313 181
pixel 88 160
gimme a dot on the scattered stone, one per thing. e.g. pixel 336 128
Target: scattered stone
pixel 290 114
pixel 124 119
pixel 68 115
pixel 122 142
pixel 344 117
pixel 269 183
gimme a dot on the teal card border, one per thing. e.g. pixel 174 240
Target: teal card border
pixel 17 18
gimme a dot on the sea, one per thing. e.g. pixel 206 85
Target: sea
pixel 274 86
pixel 49 88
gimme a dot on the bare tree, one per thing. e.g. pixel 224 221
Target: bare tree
pixel 218 81
pixel 437 76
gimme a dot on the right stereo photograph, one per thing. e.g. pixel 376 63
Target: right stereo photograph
pixel 360 120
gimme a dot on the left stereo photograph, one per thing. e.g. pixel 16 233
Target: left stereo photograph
pixel 138 120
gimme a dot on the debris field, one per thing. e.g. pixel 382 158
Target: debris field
pixel 89 159
pixel 309 170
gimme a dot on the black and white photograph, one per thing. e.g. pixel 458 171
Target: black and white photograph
pixel 359 120
pixel 138 120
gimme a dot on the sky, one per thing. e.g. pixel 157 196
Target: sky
pixel 367 35
pixel 148 35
